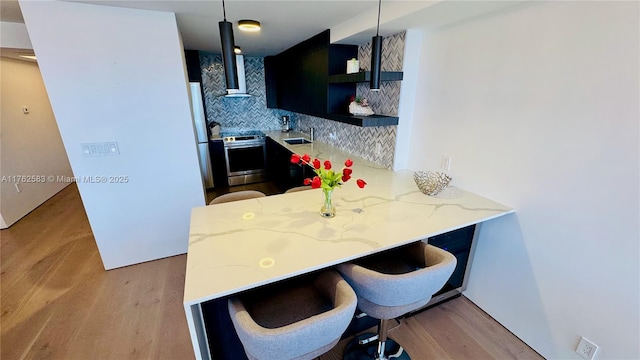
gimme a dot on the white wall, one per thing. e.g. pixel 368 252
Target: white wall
pixel 14 35
pixel 406 107
pixel 30 144
pixel 116 74
pixel 538 107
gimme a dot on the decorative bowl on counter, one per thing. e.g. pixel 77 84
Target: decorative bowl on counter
pixel 431 182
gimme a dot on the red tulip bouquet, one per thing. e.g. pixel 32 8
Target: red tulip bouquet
pixel 327 179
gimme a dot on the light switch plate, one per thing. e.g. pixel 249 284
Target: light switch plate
pixel 109 148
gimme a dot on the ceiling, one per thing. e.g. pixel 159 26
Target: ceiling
pixel 288 22
pixel 284 23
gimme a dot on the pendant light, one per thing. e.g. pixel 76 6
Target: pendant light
pixel 228 55
pixel 376 56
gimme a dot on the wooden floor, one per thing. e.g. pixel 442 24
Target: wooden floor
pixel 58 302
pixel 456 329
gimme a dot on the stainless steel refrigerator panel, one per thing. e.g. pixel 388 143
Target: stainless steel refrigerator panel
pixel 205 165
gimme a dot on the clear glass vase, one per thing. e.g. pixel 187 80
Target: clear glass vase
pixel 327 210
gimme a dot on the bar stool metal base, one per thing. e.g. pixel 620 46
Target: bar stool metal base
pixel 355 351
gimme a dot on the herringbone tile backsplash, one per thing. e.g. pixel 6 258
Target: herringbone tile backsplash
pixel 360 141
pixel 376 144
pixel 247 113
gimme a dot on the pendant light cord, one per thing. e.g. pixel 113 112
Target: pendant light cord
pixel 377 28
pixel 224 12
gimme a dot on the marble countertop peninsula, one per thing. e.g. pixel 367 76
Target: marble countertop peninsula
pixel 245 244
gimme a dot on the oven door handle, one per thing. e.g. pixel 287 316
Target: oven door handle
pixel 240 145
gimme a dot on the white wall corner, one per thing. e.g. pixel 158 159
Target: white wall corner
pixel 3 225
pixel 410 69
pixel 14 36
pixel 147 216
pixel 30 143
pixel 526 114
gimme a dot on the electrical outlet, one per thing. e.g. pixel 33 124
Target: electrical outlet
pixel 445 163
pixel 586 348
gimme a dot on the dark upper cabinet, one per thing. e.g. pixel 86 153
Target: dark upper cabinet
pixel 192 58
pixel 313 87
pixel 297 78
pixel 307 79
pixel 270 77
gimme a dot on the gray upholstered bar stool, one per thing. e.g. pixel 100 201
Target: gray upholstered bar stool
pixel 295 319
pixel 391 284
pixel 238 195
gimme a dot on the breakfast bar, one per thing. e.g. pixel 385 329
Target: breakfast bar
pixel 242 245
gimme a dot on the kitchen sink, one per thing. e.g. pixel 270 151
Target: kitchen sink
pixel 297 141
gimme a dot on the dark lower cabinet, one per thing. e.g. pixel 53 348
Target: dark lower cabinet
pixel 218 163
pixel 277 166
pixel 280 169
pixel 459 243
pixel 224 343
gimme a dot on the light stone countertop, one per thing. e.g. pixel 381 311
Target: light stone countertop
pixel 320 150
pixel 245 244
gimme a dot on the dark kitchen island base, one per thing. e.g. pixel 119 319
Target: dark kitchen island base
pixel 225 344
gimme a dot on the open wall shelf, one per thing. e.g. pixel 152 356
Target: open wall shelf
pixel 365 76
pixel 307 79
pixel 364 121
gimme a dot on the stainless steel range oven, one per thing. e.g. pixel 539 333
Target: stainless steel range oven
pixel 246 155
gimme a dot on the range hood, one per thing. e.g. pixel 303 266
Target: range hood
pixel 242 82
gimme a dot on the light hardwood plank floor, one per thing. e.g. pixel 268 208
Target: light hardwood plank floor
pixel 454 330
pixel 58 302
